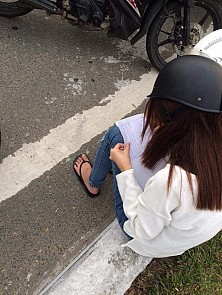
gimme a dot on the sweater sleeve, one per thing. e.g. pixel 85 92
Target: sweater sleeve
pixel 148 211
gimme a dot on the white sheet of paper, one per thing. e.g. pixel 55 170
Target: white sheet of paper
pixel 131 129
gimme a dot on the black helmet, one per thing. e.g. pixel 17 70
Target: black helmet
pixel 192 80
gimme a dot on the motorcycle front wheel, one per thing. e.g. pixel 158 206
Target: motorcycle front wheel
pixel 164 42
pixel 13 8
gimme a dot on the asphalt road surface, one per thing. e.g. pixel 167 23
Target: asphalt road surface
pixel 57 97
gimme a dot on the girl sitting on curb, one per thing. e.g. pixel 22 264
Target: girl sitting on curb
pixel 167 163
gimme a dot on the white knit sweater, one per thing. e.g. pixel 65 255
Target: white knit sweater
pixel 165 223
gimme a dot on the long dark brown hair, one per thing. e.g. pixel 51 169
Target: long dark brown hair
pixel 193 141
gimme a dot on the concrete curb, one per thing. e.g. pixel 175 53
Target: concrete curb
pixel 103 268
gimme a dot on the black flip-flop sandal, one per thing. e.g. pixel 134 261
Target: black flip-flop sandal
pixel 79 176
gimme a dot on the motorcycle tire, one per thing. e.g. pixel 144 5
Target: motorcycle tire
pixel 161 44
pixel 15 8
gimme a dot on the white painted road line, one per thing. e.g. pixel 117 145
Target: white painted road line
pixel 105 269
pixel 32 160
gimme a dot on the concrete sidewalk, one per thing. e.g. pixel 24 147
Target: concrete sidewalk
pixel 103 268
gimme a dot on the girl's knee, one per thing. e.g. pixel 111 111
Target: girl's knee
pixel 114 136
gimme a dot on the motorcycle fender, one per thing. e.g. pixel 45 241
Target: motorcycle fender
pixel 151 11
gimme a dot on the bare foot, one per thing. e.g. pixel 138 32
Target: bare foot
pixel 85 171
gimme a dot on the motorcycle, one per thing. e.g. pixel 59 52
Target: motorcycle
pixel 170 26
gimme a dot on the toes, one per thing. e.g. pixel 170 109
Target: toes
pixel 78 161
pixel 84 157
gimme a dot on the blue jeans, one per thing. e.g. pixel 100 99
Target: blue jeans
pixel 103 165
